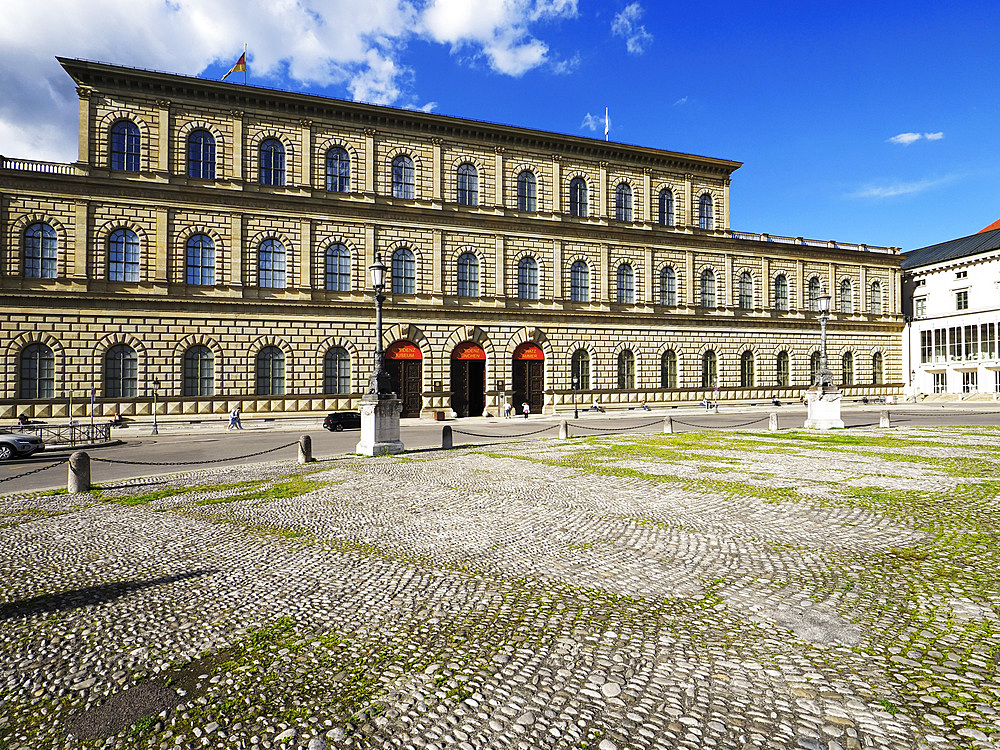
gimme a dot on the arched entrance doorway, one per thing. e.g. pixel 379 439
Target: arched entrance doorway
pixel 468 380
pixel 528 372
pixel 403 361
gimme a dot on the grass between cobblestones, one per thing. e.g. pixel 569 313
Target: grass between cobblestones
pixel 927 611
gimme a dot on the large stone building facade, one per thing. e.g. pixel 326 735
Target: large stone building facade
pixel 212 243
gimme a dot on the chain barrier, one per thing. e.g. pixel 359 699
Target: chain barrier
pixel 954 413
pixel 523 434
pixel 191 463
pixel 723 426
pixel 34 471
pixel 615 429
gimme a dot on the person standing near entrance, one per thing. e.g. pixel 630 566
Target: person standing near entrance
pixel 526 409
pixel 507 409
pixel 234 420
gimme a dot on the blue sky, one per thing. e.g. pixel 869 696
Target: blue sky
pixel 857 121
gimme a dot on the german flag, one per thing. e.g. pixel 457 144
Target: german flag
pixel 240 66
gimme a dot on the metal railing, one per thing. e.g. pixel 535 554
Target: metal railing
pixel 66 434
pixel 832 244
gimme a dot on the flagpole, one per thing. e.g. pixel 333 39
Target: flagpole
pixel 244 63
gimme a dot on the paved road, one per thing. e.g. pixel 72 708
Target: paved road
pixel 193 450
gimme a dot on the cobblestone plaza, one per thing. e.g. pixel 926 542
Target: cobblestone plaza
pixel 711 589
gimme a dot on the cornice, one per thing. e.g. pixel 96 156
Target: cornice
pixel 157 85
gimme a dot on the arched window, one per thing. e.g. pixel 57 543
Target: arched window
pixel 200 260
pixel 338 268
pixel 815 360
pixel 527 278
pixel 199 371
pixel 337 371
pixel 626 370
pixel 668 369
pixel 467 185
pixel 468 275
pixel 846 296
pixel 270 371
pixel 705 217
pixel 580 369
pixel 782 370
pixel 272 162
pixel 123 256
pixel 38 366
pixel 623 202
pixel 668 286
pixel 814 293
pixel 666 206
pixel 402 177
pixel 781 292
pixel 527 191
pixel 746 291
pixel 271 264
pixel 121 372
pixel 338 170
pixel 708 288
pixel 876 297
pixel 746 369
pixel 124 151
pixel 201 155
pixel 579 281
pixel 577 197
pixel 404 272
pixel 877 368
pixel 709 371
pixel 626 285
pixel 40 245
pixel 847 369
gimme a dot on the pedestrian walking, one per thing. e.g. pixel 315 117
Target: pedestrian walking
pixel 234 420
pixel 526 409
pixel 507 409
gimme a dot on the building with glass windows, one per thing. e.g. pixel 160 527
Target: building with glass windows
pixel 951 300
pixel 215 238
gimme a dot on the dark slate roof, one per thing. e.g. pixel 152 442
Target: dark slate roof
pixel 983 242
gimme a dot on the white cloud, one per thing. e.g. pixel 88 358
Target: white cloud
pixel 315 43
pixel 590 122
pixel 565 67
pixel 905 139
pixel 900 188
pixel 626 24
pixel 683 100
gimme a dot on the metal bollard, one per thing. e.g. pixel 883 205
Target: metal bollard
pixel 883 419
pixel 772 422
pixel 446 439
pixel 79 473
pixel 668 426
pixel 305 449
pixel 563 430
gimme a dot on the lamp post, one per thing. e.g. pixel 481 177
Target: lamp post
pixel 156 388
pixel 378 386
pixel 824 378
pixel 576 395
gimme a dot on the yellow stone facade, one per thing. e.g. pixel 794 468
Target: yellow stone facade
pixel 78 313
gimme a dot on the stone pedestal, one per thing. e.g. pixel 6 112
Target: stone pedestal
pixel 823 408
pixel 380 427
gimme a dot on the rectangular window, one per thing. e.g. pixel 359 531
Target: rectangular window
pixel 920 282
pixel 996 381
pixel 962 300
pixel 920 308
pixel 971 342
pixel 955 343
pixel 961 274
pixel 925 346
pixel 988 340
pixel 939 382
pixel 940 345
pixel 970 382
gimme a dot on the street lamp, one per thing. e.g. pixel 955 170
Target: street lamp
pixel 156 388
pixel 576 394
pixel 379 386
pixel 824 378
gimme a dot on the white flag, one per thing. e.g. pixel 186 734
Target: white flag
pixel 607 126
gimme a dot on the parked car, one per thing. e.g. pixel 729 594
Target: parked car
pixel 20 446
pixel 340 420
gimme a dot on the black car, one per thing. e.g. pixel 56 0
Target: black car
pixel 19 446
pixel 341 420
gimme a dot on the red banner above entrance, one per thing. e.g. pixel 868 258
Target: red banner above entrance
pixel 528 351
pixel 468 350
pixel 403 350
